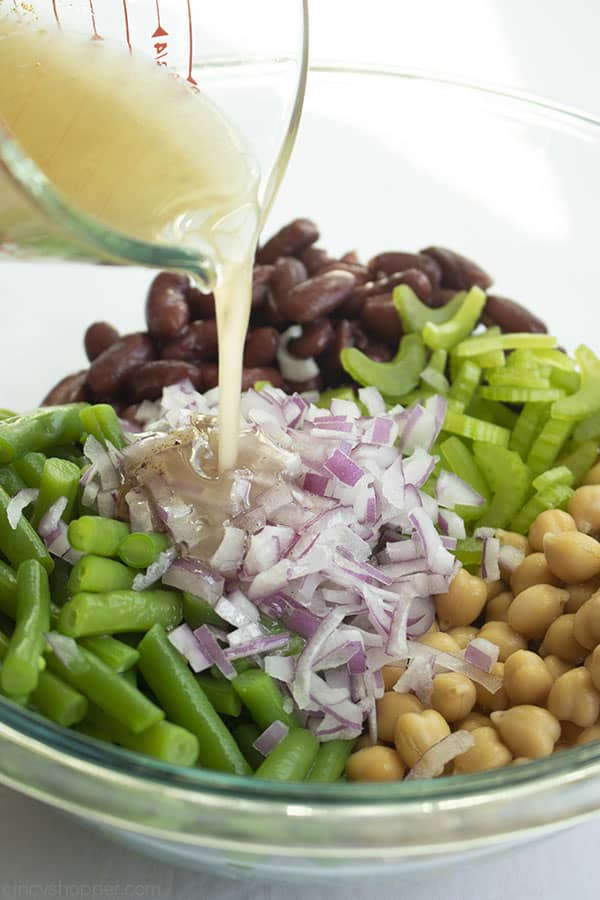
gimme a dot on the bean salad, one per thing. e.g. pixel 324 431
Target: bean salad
pixel 410 589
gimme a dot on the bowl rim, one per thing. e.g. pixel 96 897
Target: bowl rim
pixel 93 757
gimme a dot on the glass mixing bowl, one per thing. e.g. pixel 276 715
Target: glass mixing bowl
pixel 384 160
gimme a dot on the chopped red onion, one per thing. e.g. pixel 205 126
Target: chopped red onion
pixel 510 557
pixel 229 555
pixel 140 514
pixel 106 468
pixel 155 570
pixel 454 664
pixel 270 737
pixel 490 553
pixel 315 483
pixel 255 646
pixel 291 367
pixel 418 679
pixel 343 468
pixel 214 653
pixel 21 500
pixel 372 400
pixel 283 668
pixel 436 758
pixel 266 548
pixel 193 576
pixel 183 640
pixel 482 653
pixel 451 491
pixel 54 532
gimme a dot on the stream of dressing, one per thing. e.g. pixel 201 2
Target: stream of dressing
pixel 141 153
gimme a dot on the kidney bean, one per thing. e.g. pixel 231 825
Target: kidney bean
pixel 379 352
pixel 360 338
pixel 414 278
pixel 360 272
pixel 380 319
pixel 198 342
pixel 441 297
pixel 148 380
pixel 70 389
pixel 109 371
pixel 261 276
pixel 288 272
pixel 300 387
pixel 167 311
pixel 201 306
pixel 511 316
pixel 350 257
pixel 318 296
pixel 261 347
pixel 315 258
pixel 210 376
pixel 392 261
pixel 329 362
pixel 98 337
pixel 458 272
pixel 316 337
pixel 291 239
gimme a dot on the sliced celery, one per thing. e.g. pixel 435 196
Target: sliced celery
pixel 448 334
pixel 509 478
pixel 521 395
pixel 458 458
pixel 556 359
pixel 580 458
pixel 548 444
pixel 494 412
pixel 589 429
pixel 435 380
pixel 493 359
pixel 340 393
pixel 439 360
pixel 511 376
pixel 586 400
pixel 465 383
pixel 414 314
pixel 527 359
pixel 557 475
pixel 567 381
pixel 477 429
pixel 531 420
pixel 514 341
pixel 394 378
pixel 554 497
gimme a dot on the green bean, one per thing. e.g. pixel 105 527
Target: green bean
pixel 20 671
pixel 30 467
pixel 130 676
pixel 141 549
pixel 23 542
pixel 10 480
pixel 89 614
pixel 221 695
pixel 102 421
pixel 8 591
pixel 99 574
pixel 92 731
pixel 292 758
pixel 60 478
pixel 39 430
pixel 115 654
pixel 186 704
pixel 331 761
pixel 165 741
pixel 245 734
pixel 72 452
pixel 59 582
pixel 198 612
pixel 261 696
pixel 95 534
pixel 110 691
pixel 58 701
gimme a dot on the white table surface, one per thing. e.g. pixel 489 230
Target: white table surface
pixel 547 48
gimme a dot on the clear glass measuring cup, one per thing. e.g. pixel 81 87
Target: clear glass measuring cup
pixel 249 58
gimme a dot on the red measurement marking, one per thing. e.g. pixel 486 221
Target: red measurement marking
pixel 160 31
pixel 126 17
pixel 95 35
pixel 190 77
pixel 55 11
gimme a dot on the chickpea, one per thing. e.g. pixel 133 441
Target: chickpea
pixel 463 635
pixel 533 610
pixel 551 521
pixel 572 556
pixel 513 539
pixel 527 730
pixel 496 610
pixel 592 664
pixel 556 666
pixel 494 588
pixel 453 695
pixel 389 707
pixel 504 637
pixel 588 735
pixel 526 679
pixel 488 753
pixel 593 476
pixel 375 764
pixel 390 675
pixel 464 599
pixel 560 640
pixel 472 721
pixel 364 741
pixel 520 760
pixel 417 732
pixel 586 628
pixel 440 641
pixel 574 698
pixel 569 733
pixel 487 700
pixel 533 570
pixel 579 593
pixel 584 506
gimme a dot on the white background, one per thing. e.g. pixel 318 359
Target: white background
pixel 546 47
